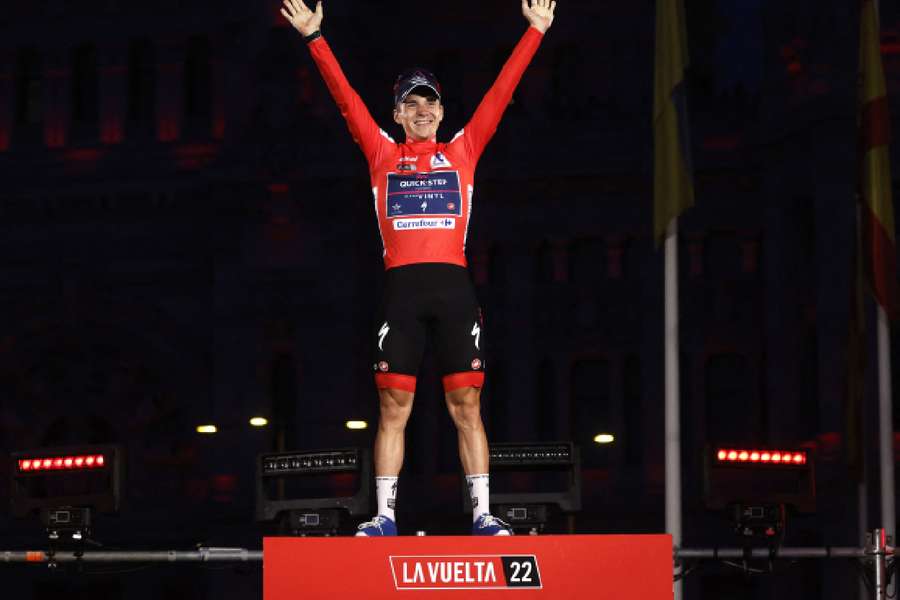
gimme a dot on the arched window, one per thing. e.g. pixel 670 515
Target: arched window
pixel 29 91
pixel 198 84
pixel 85 85
pixel 587 261
pixel 590 408
pixel 284 396
pixel 633 437
pixel 547 403
pixel 731 413
pixel 494 396
pixel 142 85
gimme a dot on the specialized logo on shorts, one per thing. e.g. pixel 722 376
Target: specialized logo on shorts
pixel 383 366
pixel 439 161
pixel 476 331
pixel 461 572
pixel 476 364
pixel 410 224
pixel 382 333
pixel 423 194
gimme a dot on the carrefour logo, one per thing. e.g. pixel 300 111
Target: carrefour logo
pixel 465 572
pixel 410 224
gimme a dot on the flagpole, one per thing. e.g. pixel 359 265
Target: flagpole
pixel 885 423
pixel 885 409
pixel 672 400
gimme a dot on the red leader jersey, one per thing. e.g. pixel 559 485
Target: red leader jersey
pixel 423 190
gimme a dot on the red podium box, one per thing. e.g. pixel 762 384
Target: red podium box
pixel 570 567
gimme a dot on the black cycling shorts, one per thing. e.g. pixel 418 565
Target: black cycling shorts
pixel 428 300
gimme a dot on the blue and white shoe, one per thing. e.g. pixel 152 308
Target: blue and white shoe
pixel 378 526
pixel 490 525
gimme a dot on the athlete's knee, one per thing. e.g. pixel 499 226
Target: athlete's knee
pixel 464 405
pixel 395 407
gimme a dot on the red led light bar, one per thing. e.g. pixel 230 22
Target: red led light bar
pixel 61 463
pixel 767 457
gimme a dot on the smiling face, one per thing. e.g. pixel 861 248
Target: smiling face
pixel 419 116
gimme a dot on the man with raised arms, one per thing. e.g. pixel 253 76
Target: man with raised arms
pixel 423 192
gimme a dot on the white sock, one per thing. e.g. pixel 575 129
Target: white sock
pixel 478 491
pixel 386 492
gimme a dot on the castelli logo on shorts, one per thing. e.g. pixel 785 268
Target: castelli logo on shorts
pixel 476 364
pixel 383 366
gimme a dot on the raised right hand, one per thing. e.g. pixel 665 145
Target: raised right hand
pixel 304 20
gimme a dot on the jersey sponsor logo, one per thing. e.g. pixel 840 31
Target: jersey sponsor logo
pixel 421 194
pixel 406 167
pixel 476 364
pixel 465 572
pixel 439 161
pixel 409 158
pixel 410 224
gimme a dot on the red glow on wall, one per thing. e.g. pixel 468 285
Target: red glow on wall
pixel 195 156
pixel 167 130
pixel 111 131
pixel 725 142
pixel 54 136
pixel 83 155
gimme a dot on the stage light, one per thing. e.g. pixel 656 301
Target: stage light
pixel 532 455
pixel 292 488
pixel 356 424
pixel 207 429
pixel 65 486
pixel 58 463
pixel 764 457
pixel 604 438
pixel 759 487
pixel 553 463
pixel 259 421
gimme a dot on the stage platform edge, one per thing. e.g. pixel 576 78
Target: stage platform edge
pixel 619 567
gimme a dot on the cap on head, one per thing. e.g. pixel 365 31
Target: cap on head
pixel 411 79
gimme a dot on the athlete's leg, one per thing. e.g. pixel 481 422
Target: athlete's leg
pixel 395 407
pixel 464 405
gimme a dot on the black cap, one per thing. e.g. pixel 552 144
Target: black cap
pixel 411 79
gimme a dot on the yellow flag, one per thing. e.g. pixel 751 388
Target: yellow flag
pixel 673 187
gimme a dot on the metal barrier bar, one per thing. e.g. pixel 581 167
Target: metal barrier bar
pixel 123 556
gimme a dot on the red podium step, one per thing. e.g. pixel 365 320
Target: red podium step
pixel 570 567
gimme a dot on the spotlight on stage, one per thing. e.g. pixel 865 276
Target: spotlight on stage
pixel 539 466
pixel 758 488
pixel 310 492
pixel 66 486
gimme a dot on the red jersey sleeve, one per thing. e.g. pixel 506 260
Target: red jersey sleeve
pixel 371 139
pixel 480 129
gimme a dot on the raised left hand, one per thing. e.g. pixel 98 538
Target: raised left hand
pixel 539 13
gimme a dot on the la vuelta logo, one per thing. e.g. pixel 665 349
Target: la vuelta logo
pixel 465 572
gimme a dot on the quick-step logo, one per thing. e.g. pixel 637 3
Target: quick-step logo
pixel 465 572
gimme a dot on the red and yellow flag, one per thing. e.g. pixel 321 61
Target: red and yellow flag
pixel 877 218
pixel 673 187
